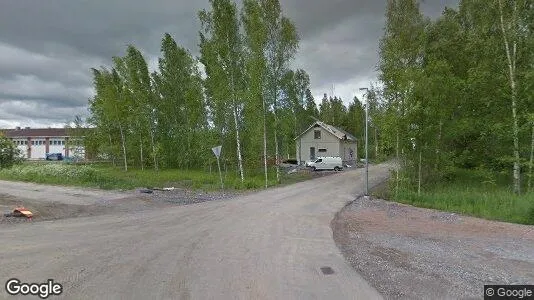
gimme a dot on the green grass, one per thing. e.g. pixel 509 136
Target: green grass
pixel 108 177
pixel 475 193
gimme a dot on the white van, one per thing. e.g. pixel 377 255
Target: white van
pixel 326 163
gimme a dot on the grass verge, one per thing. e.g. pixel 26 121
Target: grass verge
pixel 108 177
pixel 469 192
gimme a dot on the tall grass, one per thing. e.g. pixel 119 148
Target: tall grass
pixel 108 177
pixel 476 193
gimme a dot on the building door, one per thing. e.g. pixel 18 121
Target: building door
pixel 312 153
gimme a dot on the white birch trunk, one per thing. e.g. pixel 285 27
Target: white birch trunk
pixel 123 142
pixel 154 150
pixel 238 142
pixel 265 144
pixel 111 147
pixel 438 146
pixel 398 167
pixel 420 163
pixel 511 54
pixel 141 153
pixel 276 154
pixel 531 163
pixel 376 144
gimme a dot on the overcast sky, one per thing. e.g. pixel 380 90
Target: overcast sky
pixel 47 47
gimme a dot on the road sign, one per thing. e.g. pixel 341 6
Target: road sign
pixel 217 151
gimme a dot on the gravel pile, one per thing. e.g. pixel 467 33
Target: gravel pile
pixel 413 253
pixel 185 197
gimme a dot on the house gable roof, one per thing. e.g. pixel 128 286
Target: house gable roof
pixel 337 132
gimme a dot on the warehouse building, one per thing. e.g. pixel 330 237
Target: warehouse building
pixel 35 143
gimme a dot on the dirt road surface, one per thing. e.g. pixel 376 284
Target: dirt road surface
pixel 267 245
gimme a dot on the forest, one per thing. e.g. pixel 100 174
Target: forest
pixel 453 93
pixel 240 93
pixel 458 91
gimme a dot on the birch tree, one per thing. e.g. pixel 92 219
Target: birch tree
pixel 508 17
pixel 256 42
pixel 282 45
pixel 221 49
pixel 180 104
pixel 108 107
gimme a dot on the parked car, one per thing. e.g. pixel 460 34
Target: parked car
pixel 54 156
pixel 326 163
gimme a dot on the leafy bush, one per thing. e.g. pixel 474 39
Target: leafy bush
pixel 9 153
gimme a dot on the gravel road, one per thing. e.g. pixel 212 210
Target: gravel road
pixel 414 253
pixel 274 244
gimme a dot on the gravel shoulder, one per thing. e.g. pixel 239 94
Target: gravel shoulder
pixel 414 253
pixel 56 202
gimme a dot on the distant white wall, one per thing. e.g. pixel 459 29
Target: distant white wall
pixel 327 142
pixel 57 145
pixel 38 148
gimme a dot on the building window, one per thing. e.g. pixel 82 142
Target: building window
pixel 317 134
pixel 322 150
pixel 33 142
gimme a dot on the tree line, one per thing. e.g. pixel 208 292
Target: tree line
pixel 458 91
pixel 239 93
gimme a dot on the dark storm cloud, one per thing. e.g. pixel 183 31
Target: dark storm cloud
pixel 98 28
pixel 48 47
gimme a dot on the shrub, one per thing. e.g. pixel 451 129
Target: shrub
pixel 9 153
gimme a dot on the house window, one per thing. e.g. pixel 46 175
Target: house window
pixel 322 150
pixel 317 134
pixel 33 142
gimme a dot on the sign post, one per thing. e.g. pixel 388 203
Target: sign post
pixel 217 152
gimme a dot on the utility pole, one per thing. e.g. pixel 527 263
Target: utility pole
pixel 366 141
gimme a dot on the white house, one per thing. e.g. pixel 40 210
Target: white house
pixel 321 139
pixel 34 143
